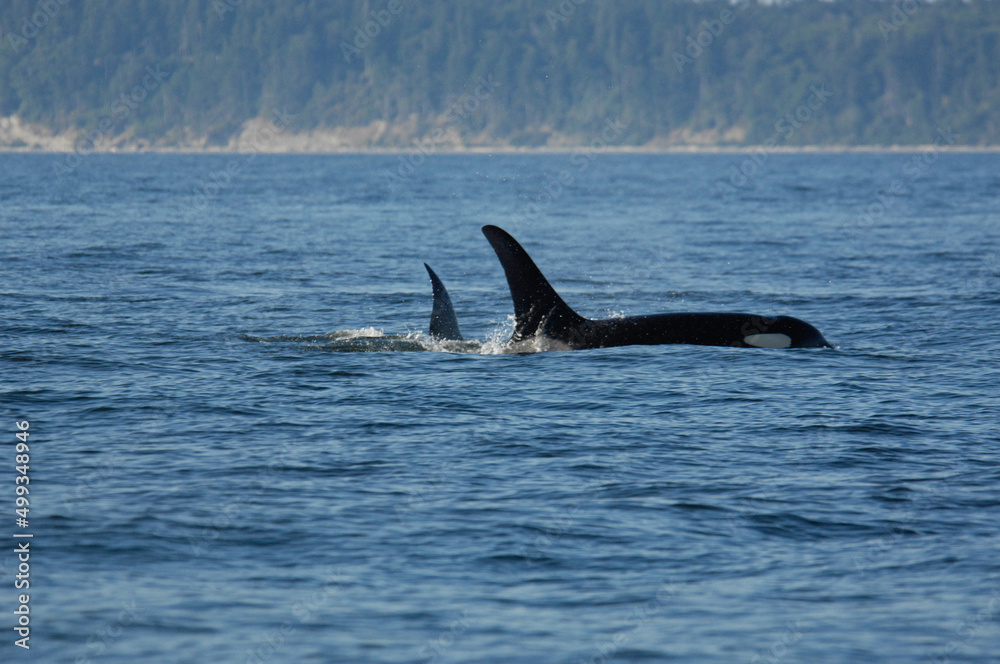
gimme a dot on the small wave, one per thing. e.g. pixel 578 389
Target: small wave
pixel 536 344
pixel 338 335
pixel 370 340
pixel 365 332
pixel 795 526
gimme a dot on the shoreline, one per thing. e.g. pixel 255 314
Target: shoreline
pixel 270 137
pixel 515 150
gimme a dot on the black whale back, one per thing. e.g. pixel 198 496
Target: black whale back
pixel 538 310
pixel 707 329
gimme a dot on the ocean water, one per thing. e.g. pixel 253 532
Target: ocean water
pixel 244 447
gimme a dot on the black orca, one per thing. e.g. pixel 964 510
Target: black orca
pixel 541 315
pixel 444 323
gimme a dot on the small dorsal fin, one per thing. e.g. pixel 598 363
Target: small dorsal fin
pixel 444 323
pixel 536 303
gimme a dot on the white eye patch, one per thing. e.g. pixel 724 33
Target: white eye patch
pixel 768 340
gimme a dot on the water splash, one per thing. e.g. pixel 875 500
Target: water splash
pixel 369 340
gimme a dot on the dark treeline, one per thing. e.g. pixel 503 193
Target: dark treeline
pixel 875 72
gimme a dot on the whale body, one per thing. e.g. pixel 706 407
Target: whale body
pixel 541 315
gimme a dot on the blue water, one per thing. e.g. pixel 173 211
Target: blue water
pixel 244 447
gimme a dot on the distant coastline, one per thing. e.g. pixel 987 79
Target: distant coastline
pixel 506 149
pixel 265 137
pixel 477 76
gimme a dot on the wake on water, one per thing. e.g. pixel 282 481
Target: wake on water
pixel 371 340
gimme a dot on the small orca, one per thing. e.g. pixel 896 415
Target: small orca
pixel 540 314
pixel 444 323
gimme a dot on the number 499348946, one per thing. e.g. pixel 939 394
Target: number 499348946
pixel 22 459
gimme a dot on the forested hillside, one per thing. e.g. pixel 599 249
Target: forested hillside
pixel 517 72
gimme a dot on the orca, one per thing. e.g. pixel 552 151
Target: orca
pixel 544 321
pixel 444 323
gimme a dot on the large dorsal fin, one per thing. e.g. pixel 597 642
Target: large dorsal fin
pixel 536 303
pixel 444 323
